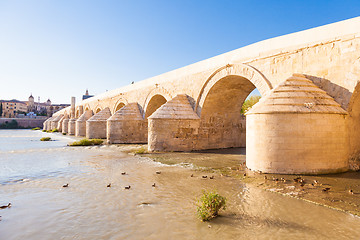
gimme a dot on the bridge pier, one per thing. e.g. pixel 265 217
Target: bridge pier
pixel 71 126
pixel 59 124
pixel 297 129
pixel 96 125
pixel 65 123
pixel 127 126
pixel 45 124
pixel 80 125
pixel 48 124
pixel 174 126
pixel 55 121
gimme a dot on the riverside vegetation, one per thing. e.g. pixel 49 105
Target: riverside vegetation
pixel 87 142
pixel 13 124
pixel 45 139
pixel 209 205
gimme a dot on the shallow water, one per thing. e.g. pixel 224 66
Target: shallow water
pixel 32 174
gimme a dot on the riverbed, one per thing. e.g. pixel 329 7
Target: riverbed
pixel 32 175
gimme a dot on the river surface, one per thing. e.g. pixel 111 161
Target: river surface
pixel 32 174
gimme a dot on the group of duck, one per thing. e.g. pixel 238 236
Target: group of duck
pixel 126 187
pixel 302 183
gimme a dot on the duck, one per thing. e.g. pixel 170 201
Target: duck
pixel 158 172
pixel 109 185
pixel 191 175
pixel 326 189
pixel 297 179
pixel 351 191
pixel 127 187
pixel 154 185
pixel 66 185
pixel 5 206
pixel 204 176
pixel 244 174
pixel 212 177
pixel 265 177
pixel 123 173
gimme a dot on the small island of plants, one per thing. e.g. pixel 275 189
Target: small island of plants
pixel 44 139
pixel 209 205
pixel 87 142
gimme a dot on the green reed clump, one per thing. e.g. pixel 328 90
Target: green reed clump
pixel 44 130
pixel 64 133
pixel 45 139
pixel 87 142
pixel 37 128
pixel 141 150
pixel 55 130
pixel 209 205
pixel 97 141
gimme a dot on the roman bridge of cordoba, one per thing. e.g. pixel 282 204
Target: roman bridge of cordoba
pixel 308 120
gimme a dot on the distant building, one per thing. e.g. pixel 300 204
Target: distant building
pixel 43 108
pixel 86 96
pixel 30 108
pixel 39 108
pixel 11 108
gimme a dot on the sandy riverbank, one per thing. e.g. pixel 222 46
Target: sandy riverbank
pixel 343 193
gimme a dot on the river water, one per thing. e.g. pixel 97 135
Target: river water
pixel 32 174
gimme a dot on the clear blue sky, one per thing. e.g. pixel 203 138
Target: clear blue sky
pixel 57 49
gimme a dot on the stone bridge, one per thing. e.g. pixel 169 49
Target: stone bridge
pixel 308 120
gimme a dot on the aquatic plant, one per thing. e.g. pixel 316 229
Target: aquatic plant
pixel 97 141
pixel 37 128
pixel 55 130
pixel 87 142
pixel 63 133
pixel 45 139
pixel 44 130
pixel 141 150
pixel 209 205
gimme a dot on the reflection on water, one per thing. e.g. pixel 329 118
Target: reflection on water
pixel 32 174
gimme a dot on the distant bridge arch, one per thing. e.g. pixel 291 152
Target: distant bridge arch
pixel 156 97
pixel 121 102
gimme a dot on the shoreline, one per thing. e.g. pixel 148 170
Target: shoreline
pixel 220 163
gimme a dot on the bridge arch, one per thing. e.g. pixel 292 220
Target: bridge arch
pixel 97 109
pixel 242 71
pixel 219 105
pixel 77 112
pixel 156 97
pixel 121 102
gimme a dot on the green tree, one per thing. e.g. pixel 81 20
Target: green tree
pixel 249 103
